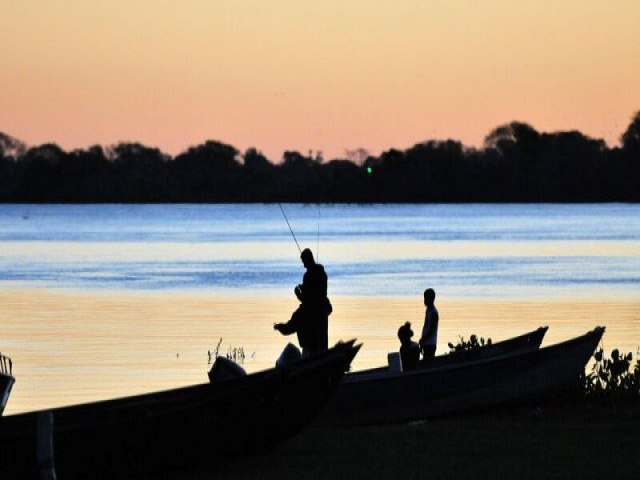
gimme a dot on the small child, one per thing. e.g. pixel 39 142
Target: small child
pixel 409 350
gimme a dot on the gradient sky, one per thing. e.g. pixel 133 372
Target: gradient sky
pixel 329 75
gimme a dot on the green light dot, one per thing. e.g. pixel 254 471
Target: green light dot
pixel 369 170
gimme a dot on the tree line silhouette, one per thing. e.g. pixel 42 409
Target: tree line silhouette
pixel 516 164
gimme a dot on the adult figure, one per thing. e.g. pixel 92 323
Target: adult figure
pixel 311 319
pixel 429 338
pixel 409 350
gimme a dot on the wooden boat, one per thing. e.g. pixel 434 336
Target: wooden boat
pixel 387 397
pixel 6 381
pixel 523 343
pixel 176 428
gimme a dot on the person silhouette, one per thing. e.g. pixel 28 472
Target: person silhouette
pixel 429 338
pixel 311 319
pixel 409 350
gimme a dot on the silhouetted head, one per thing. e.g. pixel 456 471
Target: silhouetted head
pixel 429 296
pixel 307 258
pixel 405 333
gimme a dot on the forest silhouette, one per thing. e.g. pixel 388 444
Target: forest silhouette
pixel 517 163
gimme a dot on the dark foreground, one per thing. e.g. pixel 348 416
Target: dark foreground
pixel 525 443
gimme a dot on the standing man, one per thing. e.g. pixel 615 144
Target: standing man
pixel 311 319
pixel 429 338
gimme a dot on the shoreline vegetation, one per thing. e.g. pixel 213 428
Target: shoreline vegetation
pixel 517 163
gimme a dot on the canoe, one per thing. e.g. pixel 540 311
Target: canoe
pixel 523 343
pixel 6 381
pixel 176 428
pixel 390 397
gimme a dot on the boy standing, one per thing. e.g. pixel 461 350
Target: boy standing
pixel 429 338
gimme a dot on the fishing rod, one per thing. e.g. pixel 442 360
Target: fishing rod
pixel 290 229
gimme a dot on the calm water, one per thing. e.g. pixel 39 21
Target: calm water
pixel 495 251
pixel 102 301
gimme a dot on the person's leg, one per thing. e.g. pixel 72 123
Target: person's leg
pixel 428 352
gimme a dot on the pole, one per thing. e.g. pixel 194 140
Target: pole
pixel 290 229
pixel 44 448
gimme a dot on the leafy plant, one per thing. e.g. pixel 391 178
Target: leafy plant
pixel 470 344
pixel 613 380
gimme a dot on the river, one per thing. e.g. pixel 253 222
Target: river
pixel 99 301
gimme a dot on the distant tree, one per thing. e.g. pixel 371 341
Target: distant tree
pixel 141 172
pixel 254 160
pixel 625 171
pixel 258 177
pixel 10 150
pixel 514 138
pixel 631 137
pixel 357 156
pixel 294 159
pixel 299 177
pixel 343 181
pixel 520 145
pixel 208 172
pixel 11 147
pixel 91 176
pixel 211 153
pixel 568 167
pixel 39 173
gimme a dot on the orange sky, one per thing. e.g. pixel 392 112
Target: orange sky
pixel 330 75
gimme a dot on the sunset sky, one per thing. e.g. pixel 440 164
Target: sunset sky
pixel 329 75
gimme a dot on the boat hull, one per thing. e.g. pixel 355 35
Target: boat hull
pixel 420 394
pixel 180 427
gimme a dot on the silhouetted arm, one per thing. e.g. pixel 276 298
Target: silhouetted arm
pixel 287 328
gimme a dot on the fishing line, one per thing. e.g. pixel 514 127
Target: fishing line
pixel 290 229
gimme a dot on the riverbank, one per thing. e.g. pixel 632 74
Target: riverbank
pixel 524 444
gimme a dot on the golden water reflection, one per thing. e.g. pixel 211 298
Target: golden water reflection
pixel 71 347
